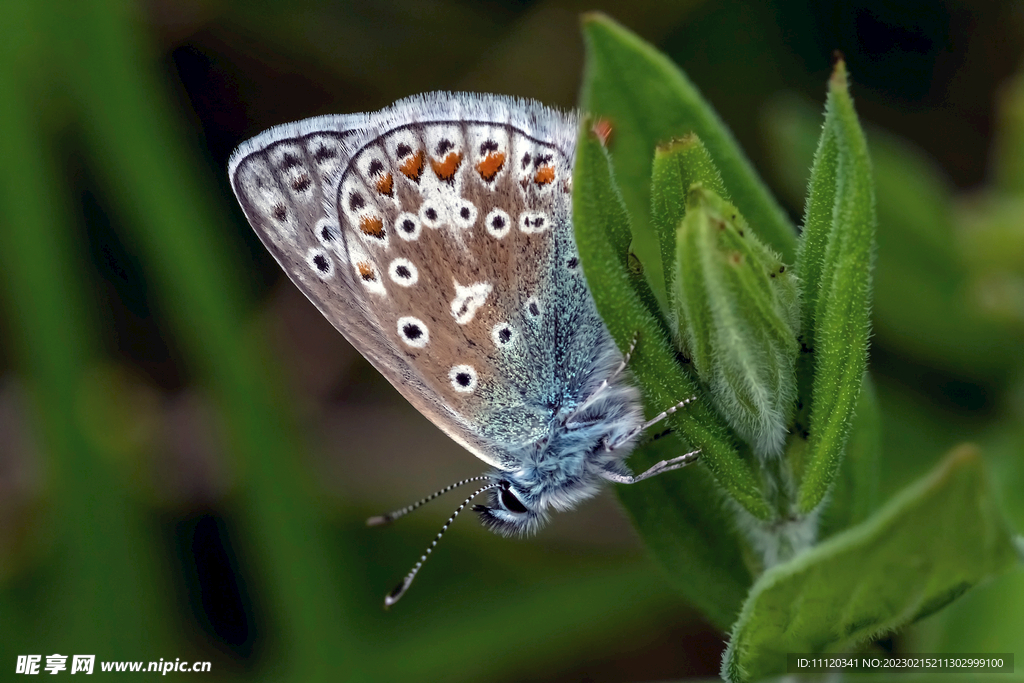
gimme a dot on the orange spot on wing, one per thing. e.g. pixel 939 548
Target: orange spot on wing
pixel 372 226
pixel 446 169
pixel 413 166
pixel 490 165
pixel 366 271
pixel 544 175
pixel 385 184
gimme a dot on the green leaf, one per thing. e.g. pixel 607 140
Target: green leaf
pixel 818 218
pixel 683 523
pixel 678 164
pixel 856 493
pixel 602 234
pixel 648 101
pixel 936 539
pixel 834 263
pixel 738 318
pixel 920 283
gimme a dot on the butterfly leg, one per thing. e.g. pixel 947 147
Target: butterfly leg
pixel 625 358
pixel 650 423
pixel 605 383
pixel 662 467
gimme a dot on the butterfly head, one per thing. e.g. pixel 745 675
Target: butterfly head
pixel 512 511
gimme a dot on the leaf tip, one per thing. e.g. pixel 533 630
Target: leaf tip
pixel 965 454
pixel 838 80
pixel 602 129
pixel 588 19
pixel 678 144
pixel 696 195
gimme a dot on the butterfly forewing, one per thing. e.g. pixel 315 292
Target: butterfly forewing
pixel 282 180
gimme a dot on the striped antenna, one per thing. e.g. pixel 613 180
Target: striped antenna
pixel 381 520
pixel 400 589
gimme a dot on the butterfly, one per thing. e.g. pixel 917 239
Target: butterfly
pixel 436 235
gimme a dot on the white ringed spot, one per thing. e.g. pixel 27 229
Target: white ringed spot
pixel 503 335
pixel 320 263
pixel 413 331
pixel 498 223
pixel 408 226
pixel 463 377
pixel 464 215
pixel 532 222
pixel 327 233
pixel 403 272
pixel 430 214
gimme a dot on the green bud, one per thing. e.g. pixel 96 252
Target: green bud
pixel 678 165
pixel 737 307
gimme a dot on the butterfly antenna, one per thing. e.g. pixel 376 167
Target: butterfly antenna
pixel 381 520
pixel 400 589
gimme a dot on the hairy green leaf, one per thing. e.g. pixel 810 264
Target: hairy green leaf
pixel 738 316
pixel 856 493
pixel 921 282
pixel 835 262
pixel 649 101
pixel 602 234
pixel 936 539
pixel 679 515
pixel 678 164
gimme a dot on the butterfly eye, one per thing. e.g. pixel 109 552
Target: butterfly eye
pixel 511 503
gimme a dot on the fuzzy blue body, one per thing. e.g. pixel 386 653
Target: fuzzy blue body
pixel 564 464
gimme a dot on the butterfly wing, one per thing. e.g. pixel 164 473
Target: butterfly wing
pixel 432 235
pixel 285 180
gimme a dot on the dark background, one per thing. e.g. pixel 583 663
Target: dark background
pixel 159 502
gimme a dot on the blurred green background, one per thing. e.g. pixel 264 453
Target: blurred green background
pixel 188 450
